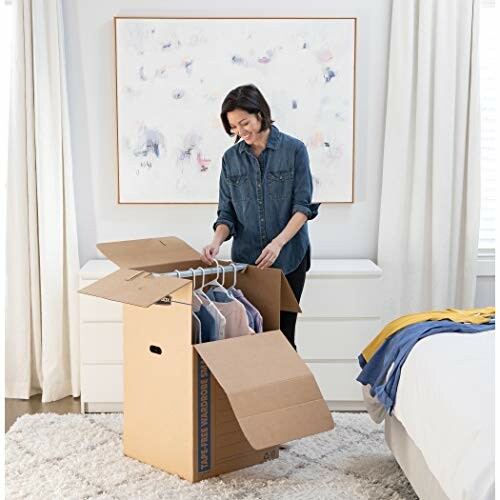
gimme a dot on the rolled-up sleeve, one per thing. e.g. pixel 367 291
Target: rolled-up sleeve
pixel 225 211
pixel 303 185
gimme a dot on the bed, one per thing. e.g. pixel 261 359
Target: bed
pixel 441 430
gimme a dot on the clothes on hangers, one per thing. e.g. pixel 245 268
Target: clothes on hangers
pixel 196 302
pixel 202 332
pixel 216 286
pixel 219 317
pixel 209 327
pixel 237 323
pixel 258 322
pixel 220 313
pixel 195 329
pixel 219 296
pixel 199 299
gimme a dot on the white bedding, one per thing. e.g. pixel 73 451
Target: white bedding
pixel 445 401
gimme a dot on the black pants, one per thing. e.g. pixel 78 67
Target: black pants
pixel 296 279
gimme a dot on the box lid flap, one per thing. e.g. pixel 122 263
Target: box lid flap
pixel 134 287
pixel 272 392
pixel 288 301
pixel 133 254
pixel 266 287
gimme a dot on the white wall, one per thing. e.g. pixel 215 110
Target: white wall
pixel 339 231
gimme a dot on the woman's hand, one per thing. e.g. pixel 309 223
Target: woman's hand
pixel 209 252
pixel 268 255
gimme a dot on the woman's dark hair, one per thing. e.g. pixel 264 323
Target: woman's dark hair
pixel 250 99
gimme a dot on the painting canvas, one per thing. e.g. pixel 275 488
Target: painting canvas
pixel 173 74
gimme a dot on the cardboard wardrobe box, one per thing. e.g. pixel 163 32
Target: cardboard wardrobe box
pixel 205 409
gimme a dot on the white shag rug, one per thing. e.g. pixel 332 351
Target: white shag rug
pixel 74 456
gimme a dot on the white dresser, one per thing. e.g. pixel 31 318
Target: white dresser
pixel 341 313
pixel 341 306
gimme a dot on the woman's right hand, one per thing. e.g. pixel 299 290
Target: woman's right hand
pixel 209 252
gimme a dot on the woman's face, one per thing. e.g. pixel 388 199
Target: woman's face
pixel 246 125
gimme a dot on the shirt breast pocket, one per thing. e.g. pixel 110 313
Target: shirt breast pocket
pixel 239 186
pixel 280 184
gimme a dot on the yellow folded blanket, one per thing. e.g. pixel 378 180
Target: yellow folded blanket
pixel 474 316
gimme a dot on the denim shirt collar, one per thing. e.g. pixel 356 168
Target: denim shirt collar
pixel 272 141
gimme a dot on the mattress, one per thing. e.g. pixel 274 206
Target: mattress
pixel 445 401
pixel 411 460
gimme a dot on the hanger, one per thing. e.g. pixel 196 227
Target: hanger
pixel 199 290
pixel 229 290
pixel 195 318
pixel 195 295
pixel 233 286
pixel 224 281
pixel 215 282
pixel 214 308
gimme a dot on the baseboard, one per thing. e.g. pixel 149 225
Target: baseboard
pixel 118 407
pixel 102 407
pixel 346 406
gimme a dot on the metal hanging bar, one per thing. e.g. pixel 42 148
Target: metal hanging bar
pixel 192 273
pixel 197 272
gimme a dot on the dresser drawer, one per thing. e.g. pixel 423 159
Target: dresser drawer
pixel 102 383
pixel 337 381
pixel 95 309
pixel 341 297
pixel 101 343
pixel 334 339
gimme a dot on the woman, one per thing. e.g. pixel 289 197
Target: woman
pixel 265 192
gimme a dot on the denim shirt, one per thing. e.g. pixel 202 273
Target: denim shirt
pixel 257 198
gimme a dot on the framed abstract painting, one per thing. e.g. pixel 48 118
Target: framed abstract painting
pixel 172 75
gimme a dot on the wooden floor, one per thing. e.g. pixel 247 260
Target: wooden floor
pixel 14 408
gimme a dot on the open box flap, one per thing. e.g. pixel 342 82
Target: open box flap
pixel 134 287
pixel 288 301
pixel 138 254
pixel 272 287
pixel 272 392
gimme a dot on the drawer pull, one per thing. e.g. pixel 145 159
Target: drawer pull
pixel 155 349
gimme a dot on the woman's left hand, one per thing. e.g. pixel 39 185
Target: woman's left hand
pixel 268 255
